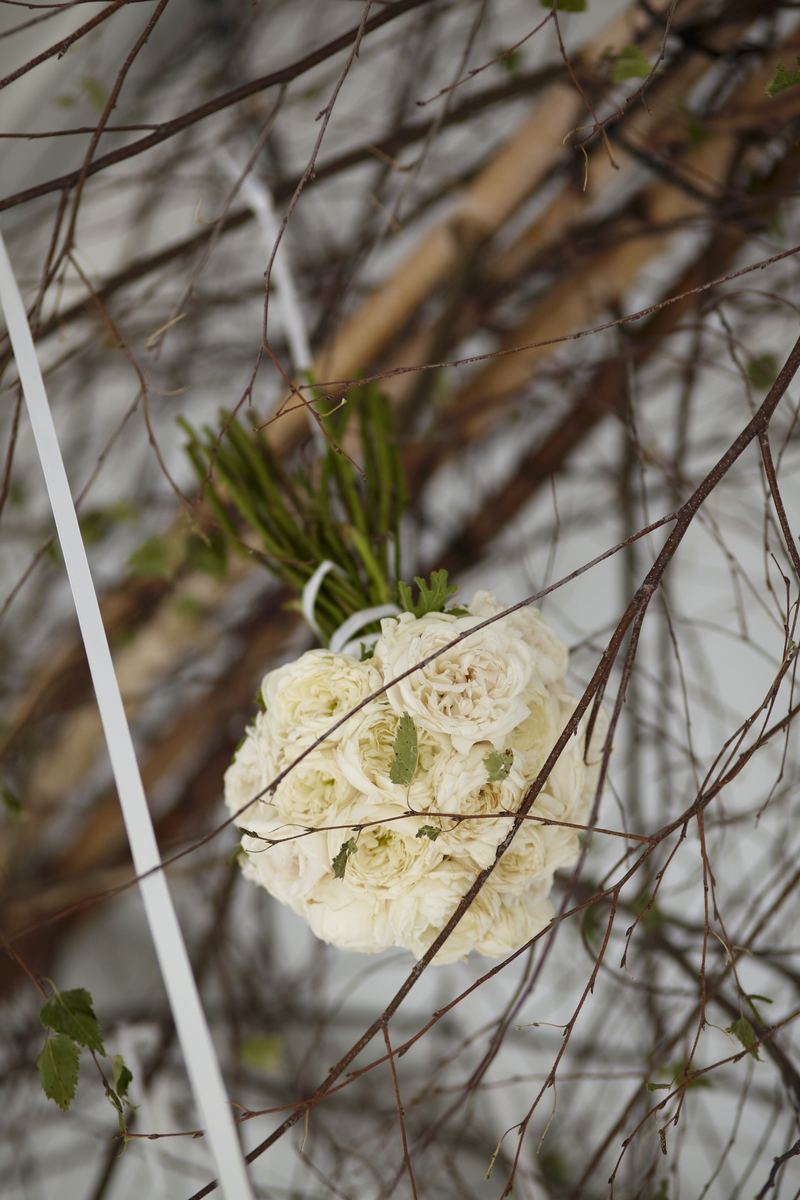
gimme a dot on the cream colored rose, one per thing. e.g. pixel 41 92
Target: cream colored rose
pixel 248 775
pixel 352 922
pixel 534 738
pixel 366 755
pixel 304 698
pixel 389 859
pixel 518 919
pixel 314 792
pixel 290 866
pixel 529 625
pixel 473 692
pixel 460 784
pixel 418 917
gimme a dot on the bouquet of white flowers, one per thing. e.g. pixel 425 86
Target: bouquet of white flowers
pixel 382 774
pixel 379 831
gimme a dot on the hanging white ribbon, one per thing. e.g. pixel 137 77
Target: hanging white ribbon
pixel 342 639
pixel 258 199
pixel 195 1038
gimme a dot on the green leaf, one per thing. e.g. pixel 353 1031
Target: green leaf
pixel 151 558
pixel 783 79
pixel 262 1052
pixel 565 5
pixel 432 597
pixel 428 831
pixel 406 752
pixel 498 764
pixel 99 522
pixel 71 1013
pixel 11 801
pixel 122 1076
pixel 95 93
pixel 761 370
pixel 207 554
pixel 58 1066
pixel 630 63
pixel 744 1032
pixel 509 61
pixel 339 863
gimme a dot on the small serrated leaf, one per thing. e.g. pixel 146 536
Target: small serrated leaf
pixel 498 763
pixel 432 596
pixel 783 78
pixel 428 831
pixel 743 1031
pixel 71 1013
pixel 406 752
pixel 339 863
pixel 58 1066
pixel 122 1076
pixel 630 63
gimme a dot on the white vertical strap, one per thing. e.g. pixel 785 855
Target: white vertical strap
pixel 187 1010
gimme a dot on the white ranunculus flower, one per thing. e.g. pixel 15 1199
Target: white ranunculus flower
pixel 471 693
pixel 304 698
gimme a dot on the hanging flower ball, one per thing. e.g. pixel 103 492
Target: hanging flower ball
pixel 377 833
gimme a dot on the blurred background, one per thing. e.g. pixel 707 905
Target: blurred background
pixel 534 228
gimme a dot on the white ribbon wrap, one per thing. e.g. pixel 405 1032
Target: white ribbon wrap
pixel 343 640
pixel 187 1010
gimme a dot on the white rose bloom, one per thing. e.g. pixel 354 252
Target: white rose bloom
pixel 461 784
pixel 314 791
pixel 291 867
pixel 248 775
pixel 475 928
pixel 304 698
pixel 419 917
pixel 389 859
pixel 471 693
pixel 537 733
pixel 518 920
pixel 529 625
pixel 339 916
pixel 366 754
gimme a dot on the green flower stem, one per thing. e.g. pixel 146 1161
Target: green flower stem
pixel 382 593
